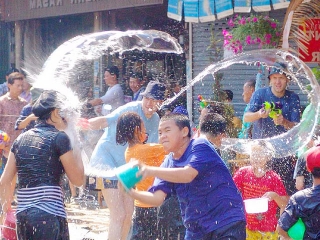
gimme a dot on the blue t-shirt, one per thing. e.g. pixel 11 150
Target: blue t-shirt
pixel 244 133
pixel 211 200
pixel 265 127
pixel 107 153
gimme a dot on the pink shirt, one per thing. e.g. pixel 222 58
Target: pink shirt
pixel 9 112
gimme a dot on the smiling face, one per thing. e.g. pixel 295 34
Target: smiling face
pixel 150 106
pixel 134 84
pixel 278 84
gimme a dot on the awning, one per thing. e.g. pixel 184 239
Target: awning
pixel 210 10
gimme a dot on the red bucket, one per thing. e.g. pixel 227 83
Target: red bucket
pixel 9 228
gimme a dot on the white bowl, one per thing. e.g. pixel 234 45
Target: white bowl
pixel 256 205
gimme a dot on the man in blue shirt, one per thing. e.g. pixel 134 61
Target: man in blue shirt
pixel 210 203
pixel 265 127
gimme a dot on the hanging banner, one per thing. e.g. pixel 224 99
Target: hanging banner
pixel 191 10
pixel 312 28
pixel 261 5
pixel 206 10
pixel 279 4
pixel 242 6
pixel 175 9
pixel 224 8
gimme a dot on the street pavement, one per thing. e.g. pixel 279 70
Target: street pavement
pixel 86 224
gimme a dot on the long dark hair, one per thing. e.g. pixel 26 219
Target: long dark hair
pixel 126 125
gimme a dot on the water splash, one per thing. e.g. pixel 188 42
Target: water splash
pixel 61 71
pixel 296 138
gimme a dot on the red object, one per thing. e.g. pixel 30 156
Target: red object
pixel 312 28
pixel 312 158
pixel 9 228
pixel 83 124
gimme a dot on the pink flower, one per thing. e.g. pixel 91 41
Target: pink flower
pixel 255 19
pixel 231 23
pixel 225 32
pixel 248 19
pixel 278 34
pixel 273 25
pixel 248 39
pixel 268 41
pixel 258 40
pixel 242 21
pixel 226 43
pixel 268 36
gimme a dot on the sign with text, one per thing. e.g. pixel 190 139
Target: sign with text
pixel 312 28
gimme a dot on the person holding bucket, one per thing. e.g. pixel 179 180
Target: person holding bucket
pixel 211 206
pixel 131 130
pixel 110 155
pixel 256 183
pixel 303 209
pixel 40 157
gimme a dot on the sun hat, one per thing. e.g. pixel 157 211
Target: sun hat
pixel 280 68
pixel 154 90
pixel 47 102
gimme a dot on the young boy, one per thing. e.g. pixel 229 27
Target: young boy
pixel 305 204
pixel 257 181
pixel 211 206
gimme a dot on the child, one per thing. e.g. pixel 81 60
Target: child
pixel 257 181
pixel 131 130
pixel 304 204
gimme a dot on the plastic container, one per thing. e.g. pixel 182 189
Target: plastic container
pixel 9 228
pixel 256 205
pixel 296 232
pixel 127 175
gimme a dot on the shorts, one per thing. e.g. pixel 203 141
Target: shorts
pixel 98 183
pixel 257 235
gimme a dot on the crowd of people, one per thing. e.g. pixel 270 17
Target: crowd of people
pixel 187 190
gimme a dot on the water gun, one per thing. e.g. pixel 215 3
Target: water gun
pixel 203 102
pixel 4 137
pixel 275 108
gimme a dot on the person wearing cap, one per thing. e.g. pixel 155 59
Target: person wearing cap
pixel 266 127
pixel 304 204
pixel 4 86
pixel 109 155
pixel 27 119
pixel 114 95
pixel 40 157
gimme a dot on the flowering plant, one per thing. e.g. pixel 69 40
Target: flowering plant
pixel 261 30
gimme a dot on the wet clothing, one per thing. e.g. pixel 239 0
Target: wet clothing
pixel 107 153
pixel 170 224
pixel 9 112
pixel 150 154
pixel 211 201
pixel 304 204
pixel 246 129
pixel 25 112
pixel 114 97
pixel 144 223
pixel 251 186
pixel 265 127
pixel 137 96
pixel 40 170
pixel 36 219
pixel 301 170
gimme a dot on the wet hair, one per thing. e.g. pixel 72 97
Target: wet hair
pixel 126 124
pixel 15 76
pixel 229 94
pixel 215 108
pixel 179 119
pixel 113 70
pixel 213 124
pixel 251 83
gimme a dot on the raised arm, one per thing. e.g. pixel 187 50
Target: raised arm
pixel 154 199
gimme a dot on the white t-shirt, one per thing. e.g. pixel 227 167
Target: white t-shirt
pixel 114 97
